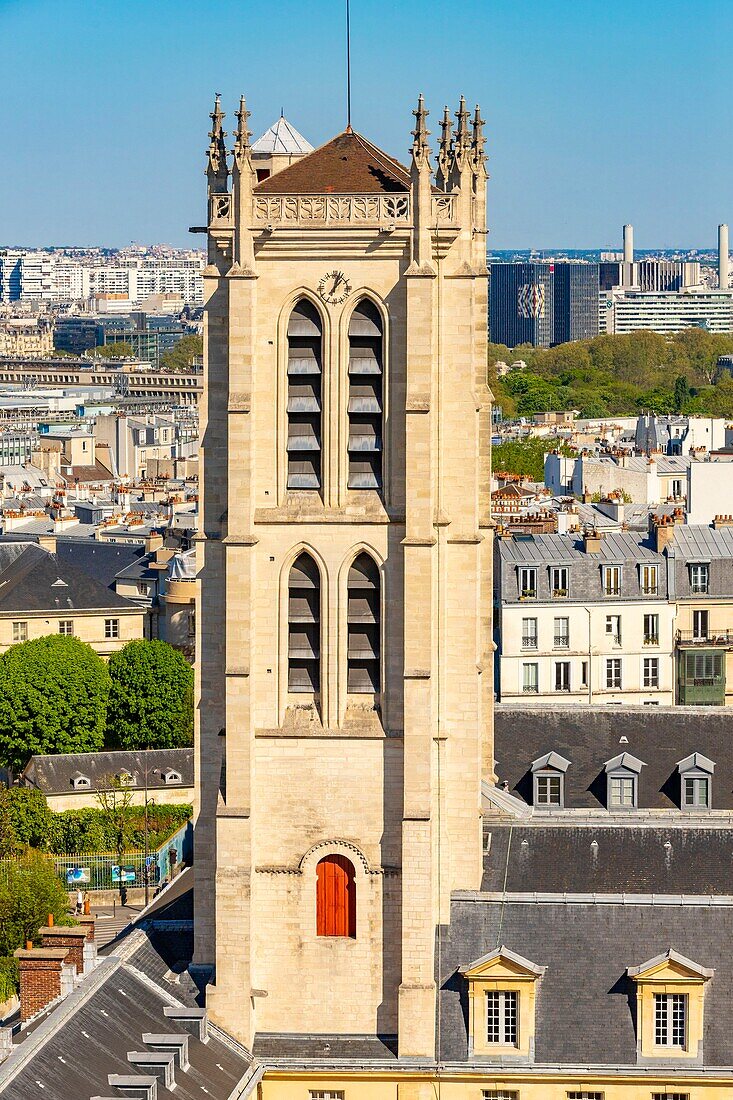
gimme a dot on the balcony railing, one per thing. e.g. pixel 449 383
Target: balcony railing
pixel 330 209
pixel 721 638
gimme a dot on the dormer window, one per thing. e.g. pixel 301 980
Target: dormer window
pixel 699 577
pixel 528 583
pixel 623 782
pixel 559 581
pixel 548 774
pixel 649 577
pixel 696 780
pixel 80 782
pixel 501 994
pixel 125 779
pixel 612 580
pixel 171 776
pixel 670 1001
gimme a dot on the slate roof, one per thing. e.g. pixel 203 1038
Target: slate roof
pixel 590 736
pixel 282 139
pixel 324 1048
pixel 585 999
pixel 607 858
pixel 76 1048
pixel 53 774
pixel 31 579
pixel 585 576
pixel 348 164
pixel 101 561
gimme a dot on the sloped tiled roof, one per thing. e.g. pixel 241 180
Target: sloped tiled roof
pixel 31 579
pixel 346 165
pixel 282 139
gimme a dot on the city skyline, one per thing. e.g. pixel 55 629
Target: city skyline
pixel 120 137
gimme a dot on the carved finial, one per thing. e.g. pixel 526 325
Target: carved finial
pixel 217 169
pixel 420 147
pixel 445 149
pixel 478 142
pixel 463 137
pixel 242 134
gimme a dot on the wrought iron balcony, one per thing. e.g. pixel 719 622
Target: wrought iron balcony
pixel 721 639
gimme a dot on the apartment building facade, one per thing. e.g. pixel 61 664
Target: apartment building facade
pixel 583 620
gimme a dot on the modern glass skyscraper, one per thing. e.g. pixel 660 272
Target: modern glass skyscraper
pixel 542 303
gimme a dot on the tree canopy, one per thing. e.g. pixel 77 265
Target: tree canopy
pixel 181 356
pixel 150 699
pixel 617 375
pixel 30 889
pixel 119 350
pixel 53 697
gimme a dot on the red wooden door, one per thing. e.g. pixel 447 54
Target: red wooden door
pixel 335 897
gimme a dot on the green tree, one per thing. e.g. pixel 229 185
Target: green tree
pixel 53 699
pixel 681 392
pixel 119 350
pixel 181 356
pixel 149 703
pixel 28 815
pixel 30 889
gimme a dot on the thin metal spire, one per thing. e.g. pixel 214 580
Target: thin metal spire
pixel 348 67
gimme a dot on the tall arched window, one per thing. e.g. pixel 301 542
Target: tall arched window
pixel 363 626
pixel 365 397
pixel 335 897
pixel 304 626
pixel 305 338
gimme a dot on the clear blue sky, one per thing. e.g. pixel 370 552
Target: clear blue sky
pixel 597 113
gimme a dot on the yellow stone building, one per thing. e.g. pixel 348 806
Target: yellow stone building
pixel 345 673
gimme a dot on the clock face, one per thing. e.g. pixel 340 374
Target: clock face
pixel 334 288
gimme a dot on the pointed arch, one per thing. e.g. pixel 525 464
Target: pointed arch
pixel 304 625
pixel 366 341
pixel 363 619
pixel 305 341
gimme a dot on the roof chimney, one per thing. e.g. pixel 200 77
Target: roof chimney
pixel 42 978
pixel 723 262
pixel 628 244
pixel 722 521
pixel 592 541
pixel 663 531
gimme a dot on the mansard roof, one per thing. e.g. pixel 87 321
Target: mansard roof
pixel 349 164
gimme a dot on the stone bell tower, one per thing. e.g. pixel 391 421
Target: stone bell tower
pixel 344 635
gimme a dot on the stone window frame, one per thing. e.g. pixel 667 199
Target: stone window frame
pixel 669 973
pixel 502 971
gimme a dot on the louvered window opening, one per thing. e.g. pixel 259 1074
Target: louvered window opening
pixel 335 897
pixel 304 627
pixel 363 614
pixel 304 406
pixel 365 398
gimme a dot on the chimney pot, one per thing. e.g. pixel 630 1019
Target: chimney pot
pixel 50 920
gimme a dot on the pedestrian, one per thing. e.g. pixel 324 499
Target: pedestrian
pixel 87 905
pixel 79 903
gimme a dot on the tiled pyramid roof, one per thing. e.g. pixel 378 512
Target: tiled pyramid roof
pixel 346 165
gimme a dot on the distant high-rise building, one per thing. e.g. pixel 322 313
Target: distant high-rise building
pixel 543 303
pixel 576 301
pixel 521 306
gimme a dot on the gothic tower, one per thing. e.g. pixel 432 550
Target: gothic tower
pixel 344 634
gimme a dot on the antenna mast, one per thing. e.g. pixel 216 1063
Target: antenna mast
pixel 348 69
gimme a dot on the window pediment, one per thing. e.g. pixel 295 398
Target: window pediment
pixel 670 967
pixel 502 964
pixel 552 761
pixel 696 762
pixel 625 762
